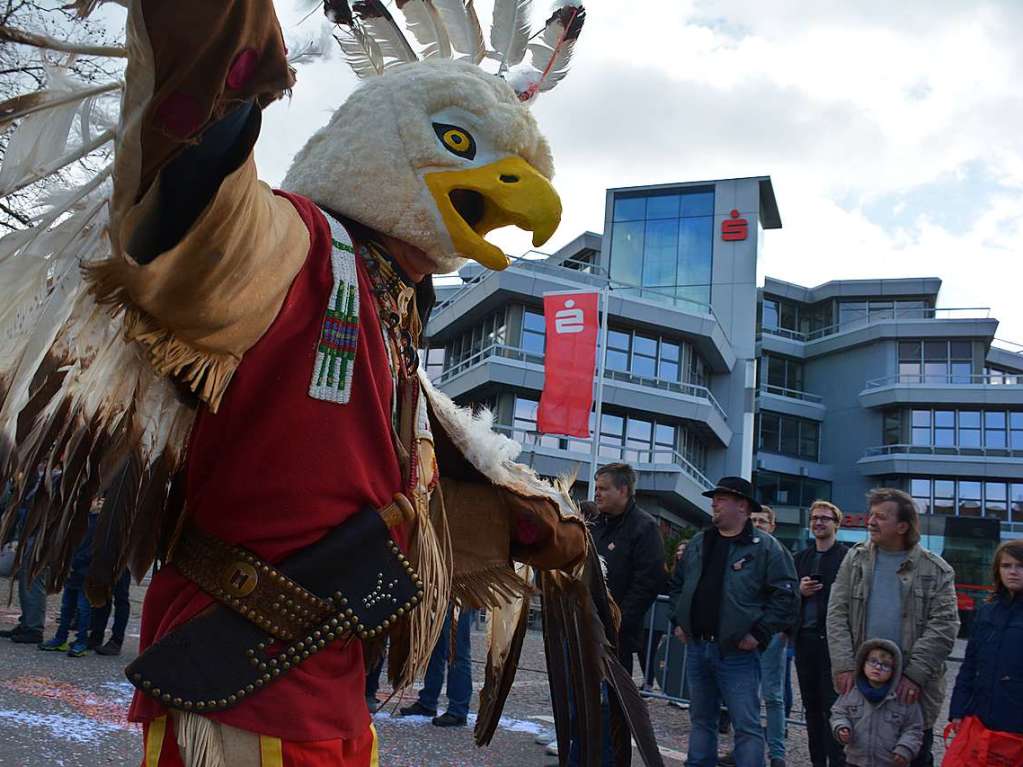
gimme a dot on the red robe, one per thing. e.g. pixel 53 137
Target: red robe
pixel 273 470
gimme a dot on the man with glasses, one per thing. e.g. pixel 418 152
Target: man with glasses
pixel 816 567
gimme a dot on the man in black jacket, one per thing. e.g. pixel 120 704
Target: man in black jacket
pixel 630 542
pixel 816 567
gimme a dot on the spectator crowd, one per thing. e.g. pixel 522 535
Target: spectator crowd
pixel 871 627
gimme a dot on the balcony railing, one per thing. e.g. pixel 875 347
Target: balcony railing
pixel 946 379
pixel 917 313
pixel 522 355
pixel 970 452
pixel 580 449
pixel 781 391
pixel 590 275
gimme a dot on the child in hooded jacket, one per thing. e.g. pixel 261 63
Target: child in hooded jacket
pixel 876 729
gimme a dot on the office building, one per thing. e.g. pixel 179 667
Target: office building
pixel 814 392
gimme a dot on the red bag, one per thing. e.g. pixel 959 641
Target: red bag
pixel 977 746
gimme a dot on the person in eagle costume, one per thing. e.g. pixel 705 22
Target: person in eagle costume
pixel 235 370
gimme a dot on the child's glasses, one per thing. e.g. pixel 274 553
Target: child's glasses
pixel 879 665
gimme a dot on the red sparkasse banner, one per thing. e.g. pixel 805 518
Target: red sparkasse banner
pixel 571 323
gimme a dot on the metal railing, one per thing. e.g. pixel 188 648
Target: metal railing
pixel 950 313
pixel 504 351
pixel 951 450
pixel 781 391
pixel 585 272
pixel 580 449
pixel 954 379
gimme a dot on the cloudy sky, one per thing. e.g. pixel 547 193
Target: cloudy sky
pixel 893 132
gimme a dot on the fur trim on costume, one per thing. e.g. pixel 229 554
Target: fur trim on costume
pixel 493 454
pixel 367 162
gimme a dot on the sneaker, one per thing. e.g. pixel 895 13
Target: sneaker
pixel 10 633
pixel 728 760
pixel 447 719
pixel 417 709
pixel 552 749
pixel 28 636
pixel 545 738
pixel 371 702
pixel 78 649
pixel 678 704
pixel 112 647
pixel 55 645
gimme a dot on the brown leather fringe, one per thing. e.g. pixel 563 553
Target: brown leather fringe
pixel 489 587
pixel 204 372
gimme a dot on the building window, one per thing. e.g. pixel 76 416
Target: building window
pixel 969 498
pixel 995 499
pixel 534 332
pixel 935 362
pixel 994 429
pixel 662 244
pixel 783 373
pixel 668 361
pixel 618 347
pixel 432 361
pixel 944 496
pixel 524 428
pixel 776 489
pixel 969 429
pixel 644 356
pixel 788 435
pixel 920 489
pixel 892 427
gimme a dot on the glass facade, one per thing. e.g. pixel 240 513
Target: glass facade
pixel 490 332
pixel 781 373
pixel 628 438
pixel 662 244
pixel 951 496
pixel 935 362
pixel 965 430
pixel 789 435
pixel 645 355
pixel 778 489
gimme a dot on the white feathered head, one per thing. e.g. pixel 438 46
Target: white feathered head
pixel 439 152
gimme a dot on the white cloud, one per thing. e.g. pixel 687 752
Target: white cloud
pixel 862 113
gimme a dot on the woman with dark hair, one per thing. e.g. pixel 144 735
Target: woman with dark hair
pixel 990 681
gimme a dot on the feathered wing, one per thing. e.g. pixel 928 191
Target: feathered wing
pixel 75 396
pixel 578 619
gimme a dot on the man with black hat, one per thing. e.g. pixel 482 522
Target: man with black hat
pixel 738 591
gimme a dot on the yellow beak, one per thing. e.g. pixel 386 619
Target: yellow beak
pixel 476 201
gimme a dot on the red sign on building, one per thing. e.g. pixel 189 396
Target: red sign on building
pixel 734 228
pixel 569 361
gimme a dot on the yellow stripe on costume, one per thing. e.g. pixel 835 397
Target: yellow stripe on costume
pixel 374 754
pixel 271 752
pixel 155 731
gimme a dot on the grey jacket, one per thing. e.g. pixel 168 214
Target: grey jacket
pixel 760 595
pixel 881 729
pixel 930 620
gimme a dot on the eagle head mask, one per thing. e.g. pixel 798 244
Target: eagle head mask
pixel 438 152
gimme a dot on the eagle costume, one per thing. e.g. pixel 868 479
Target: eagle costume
pixel 235 370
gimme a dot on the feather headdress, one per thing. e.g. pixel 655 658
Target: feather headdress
pixel 372 41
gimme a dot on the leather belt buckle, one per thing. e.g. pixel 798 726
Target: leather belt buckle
pixel 240 579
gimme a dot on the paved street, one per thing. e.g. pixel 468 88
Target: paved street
pixel 57 711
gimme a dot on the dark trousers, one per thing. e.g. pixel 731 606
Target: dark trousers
pixel 122 611
pixel 813 667
pixel 925 758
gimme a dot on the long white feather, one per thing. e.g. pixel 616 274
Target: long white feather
pixel 42 170
pixel 463 27
pixel 361 51
pixel 509 32
pixel 427 26
pixel 388 36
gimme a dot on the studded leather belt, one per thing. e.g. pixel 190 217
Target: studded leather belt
pixel 354 582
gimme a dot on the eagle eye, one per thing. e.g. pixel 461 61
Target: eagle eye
pixel 456 140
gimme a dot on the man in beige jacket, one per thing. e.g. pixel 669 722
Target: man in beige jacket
pixel 892 588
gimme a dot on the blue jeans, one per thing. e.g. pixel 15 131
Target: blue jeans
pixel 772 689
pixel 735 680
pixel 122 610
pixel 31 596
pixel 459 670
pixel 71 600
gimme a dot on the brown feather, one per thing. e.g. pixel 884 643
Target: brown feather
pixel 498 683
